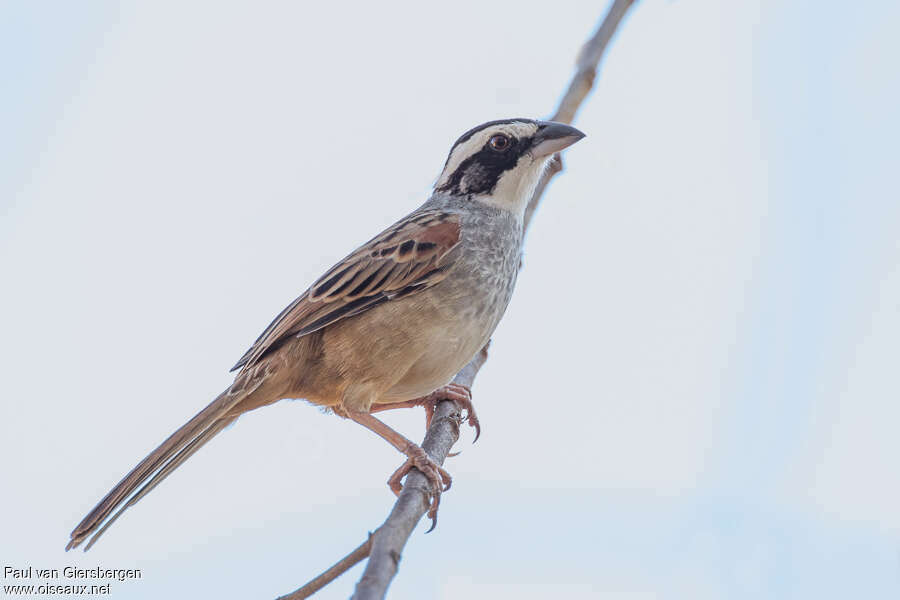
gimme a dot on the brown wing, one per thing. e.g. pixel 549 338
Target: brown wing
pixel 406 258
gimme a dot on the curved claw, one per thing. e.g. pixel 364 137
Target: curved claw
pixel 459 394
pixel 439 480
pixel 433 523
pixel 473 421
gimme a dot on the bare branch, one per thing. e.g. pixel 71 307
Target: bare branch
pixel 389 540
pixel 588 60
pixel 385 546
pixel 581 84
pixel 335 571
pixel 408 510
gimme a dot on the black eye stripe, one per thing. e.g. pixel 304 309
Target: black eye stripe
pixel 480 172
pixel 468 135
pixel 477 169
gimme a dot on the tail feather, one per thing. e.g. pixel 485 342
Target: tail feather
pixel 176 449
pixel 164 472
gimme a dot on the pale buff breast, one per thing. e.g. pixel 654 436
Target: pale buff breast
pixel 452 341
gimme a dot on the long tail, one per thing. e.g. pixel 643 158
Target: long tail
pixel 177 448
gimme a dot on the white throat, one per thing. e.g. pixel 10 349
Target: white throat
pixel 516 187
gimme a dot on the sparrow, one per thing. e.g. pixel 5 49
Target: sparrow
pixel 392 323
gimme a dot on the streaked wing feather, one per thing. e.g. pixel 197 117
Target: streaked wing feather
pixel 405 258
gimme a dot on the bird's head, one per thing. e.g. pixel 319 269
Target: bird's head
pixel 500 162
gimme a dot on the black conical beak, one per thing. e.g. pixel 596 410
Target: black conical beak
pixel 552 137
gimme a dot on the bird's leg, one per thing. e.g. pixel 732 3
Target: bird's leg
pixel 438 478
pixel 452 391
pixel 392 405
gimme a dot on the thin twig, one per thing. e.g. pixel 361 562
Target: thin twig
pixel 582 83
pixel 588 60
pixel 339 568
pixel 386 544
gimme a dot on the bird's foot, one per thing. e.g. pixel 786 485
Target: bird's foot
pixel 459 394
pixel 439 479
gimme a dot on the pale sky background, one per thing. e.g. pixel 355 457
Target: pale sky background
pixel 694 393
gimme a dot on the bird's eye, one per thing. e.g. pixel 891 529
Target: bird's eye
pixel 499 143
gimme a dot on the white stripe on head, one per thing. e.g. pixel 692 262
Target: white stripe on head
pixel 474 143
